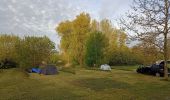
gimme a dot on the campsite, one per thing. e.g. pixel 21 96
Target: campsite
pixel 84 49
pixel 122 83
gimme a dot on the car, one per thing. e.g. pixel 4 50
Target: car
pixel 156 69
pixel 6 64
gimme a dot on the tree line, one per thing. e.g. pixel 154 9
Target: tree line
pixel 85 41
pixel 27 52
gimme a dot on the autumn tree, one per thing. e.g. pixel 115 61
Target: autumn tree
pixel 146 53
pixel 150 18
pixel 112 37
pixel 81 27
pixel 95 26
pixel 65 30
pixel 32 51
pixel 7 47
pixel 110 32
pixel 75 33
pixel 73 37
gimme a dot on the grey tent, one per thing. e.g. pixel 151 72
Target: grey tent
pixel 49 70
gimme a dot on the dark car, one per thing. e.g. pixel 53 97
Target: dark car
pixel 5 64
pixel 155 69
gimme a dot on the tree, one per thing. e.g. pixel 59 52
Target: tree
pixel 95 45
pixel 169 48
pixel 75 33
pixel 65 30
pixel 81 28
pixel 150 18
pixel 94 26
pixel 7 47
pixel 110 32
pixel 32 51
pixel 122 40
pixel 112 38
pixel 54 57
pixel 147 53
pixel 73 37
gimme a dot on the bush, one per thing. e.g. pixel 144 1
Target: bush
pixel 32 51
pixel 123 58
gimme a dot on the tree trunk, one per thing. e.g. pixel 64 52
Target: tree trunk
pixel 165 58
pixel 165 39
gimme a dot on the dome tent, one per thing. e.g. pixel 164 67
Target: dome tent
pixel 49 70
pixel 105 67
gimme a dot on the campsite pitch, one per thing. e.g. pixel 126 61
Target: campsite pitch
pixel 119 84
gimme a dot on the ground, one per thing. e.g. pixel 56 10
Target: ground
pixel 122 83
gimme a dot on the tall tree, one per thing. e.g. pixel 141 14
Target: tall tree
pixel 94 26
pixel 169 48
pixel 65 30
pixel 95 46
pixel 122 39
pixel 81 28
pixel 73 37
pixel 150 18
pixel 112 37
pixel 110 32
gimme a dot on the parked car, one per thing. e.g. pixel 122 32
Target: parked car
pixel 155 69
pixel 5 64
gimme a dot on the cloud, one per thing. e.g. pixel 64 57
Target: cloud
pixel 113 10
pixel 40 17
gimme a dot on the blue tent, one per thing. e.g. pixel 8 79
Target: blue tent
pixel 36 70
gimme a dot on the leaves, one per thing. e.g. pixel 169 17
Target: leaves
pixel 95 49
pixel 32 51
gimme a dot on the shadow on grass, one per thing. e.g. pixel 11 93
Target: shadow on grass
pixel 125 68
pixel 165 80
pixel 69 70
pixel 99 84
pixel 47 94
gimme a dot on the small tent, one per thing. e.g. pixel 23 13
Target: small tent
pixel 35 70
pixel 105 67
pixel 49 70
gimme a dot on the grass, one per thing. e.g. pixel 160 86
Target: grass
pixel 168 65
pixel 126 68
pixel 122 83
pixel 104 83
pixel 68 70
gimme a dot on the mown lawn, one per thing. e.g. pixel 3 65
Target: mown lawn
pixel 119 84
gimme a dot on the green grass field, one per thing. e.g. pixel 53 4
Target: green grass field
pixel 122 83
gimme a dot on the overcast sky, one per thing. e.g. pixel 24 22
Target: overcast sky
pixel 40 17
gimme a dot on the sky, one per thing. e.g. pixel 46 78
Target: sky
pixel 40 17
